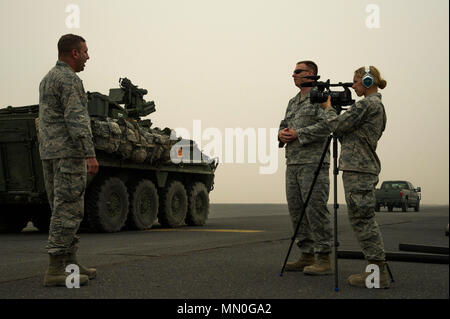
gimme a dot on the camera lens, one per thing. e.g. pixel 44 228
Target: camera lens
pixel 317 96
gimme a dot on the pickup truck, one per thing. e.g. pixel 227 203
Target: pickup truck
pixel 401 194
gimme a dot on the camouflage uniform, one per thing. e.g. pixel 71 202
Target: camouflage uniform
pixel 359 129
pixel 302 159
pixel 65 143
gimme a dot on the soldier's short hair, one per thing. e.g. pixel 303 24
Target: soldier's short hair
pixel 68 42
pixel 311 65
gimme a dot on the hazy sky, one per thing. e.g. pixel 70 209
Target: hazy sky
pixel 229 63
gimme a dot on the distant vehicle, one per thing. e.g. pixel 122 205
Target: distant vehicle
pixel 400 194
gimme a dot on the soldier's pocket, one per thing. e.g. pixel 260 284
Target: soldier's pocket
pixel 306 117
pixel 355 182
pixel 364 195
pixel 72 181
pixel 367 182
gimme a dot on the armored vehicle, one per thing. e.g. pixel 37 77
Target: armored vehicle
pixel 146 174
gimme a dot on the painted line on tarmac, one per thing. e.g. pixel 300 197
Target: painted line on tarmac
pixel 207 230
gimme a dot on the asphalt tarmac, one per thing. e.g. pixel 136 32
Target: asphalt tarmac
pixel 237 255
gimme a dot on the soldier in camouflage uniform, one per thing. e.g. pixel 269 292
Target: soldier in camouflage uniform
pixel 304 147
pixel 359 129
pixel 67 154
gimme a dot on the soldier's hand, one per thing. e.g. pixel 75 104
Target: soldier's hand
pixel 92 165
pixel 284 135
pixel 287 135
pixel 293 134
pixel 327 103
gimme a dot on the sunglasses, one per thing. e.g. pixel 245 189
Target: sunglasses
pixel 298 71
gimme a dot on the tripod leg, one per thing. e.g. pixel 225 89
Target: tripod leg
pixel 390 272
pixel 336 206
pixel 290 248
pixel 316 174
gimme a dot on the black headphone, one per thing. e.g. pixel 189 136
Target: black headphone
pixel 367 79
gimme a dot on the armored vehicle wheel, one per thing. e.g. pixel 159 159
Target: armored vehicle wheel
pixel 41 219
pixel 390 208
pixel 173 205
pixel 143 205
pixel 12 221
pixel 198 205
pixel 377 207
pixel 107 205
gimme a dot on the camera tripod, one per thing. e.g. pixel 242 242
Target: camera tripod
pixel 305 205
pixel 335 207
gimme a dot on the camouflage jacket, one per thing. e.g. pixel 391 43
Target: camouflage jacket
pixel 359 128
pixel 64 123
pixel 312 132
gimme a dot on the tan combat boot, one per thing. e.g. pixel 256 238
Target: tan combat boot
pixel 322 266
pixel 359 280
pixel 71 258
pixel 305 260
pixel 56 273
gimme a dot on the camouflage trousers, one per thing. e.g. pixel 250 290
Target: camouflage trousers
pixel 65 183
pixel 314 234
pixel 360 197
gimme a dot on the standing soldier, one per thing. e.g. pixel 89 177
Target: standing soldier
pixel 305 133
pixel 67 154
pixel 360 128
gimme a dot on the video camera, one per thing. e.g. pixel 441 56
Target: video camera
pixel 321 90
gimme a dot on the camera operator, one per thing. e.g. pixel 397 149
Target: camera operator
pixel 304 148
pixel 359 130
